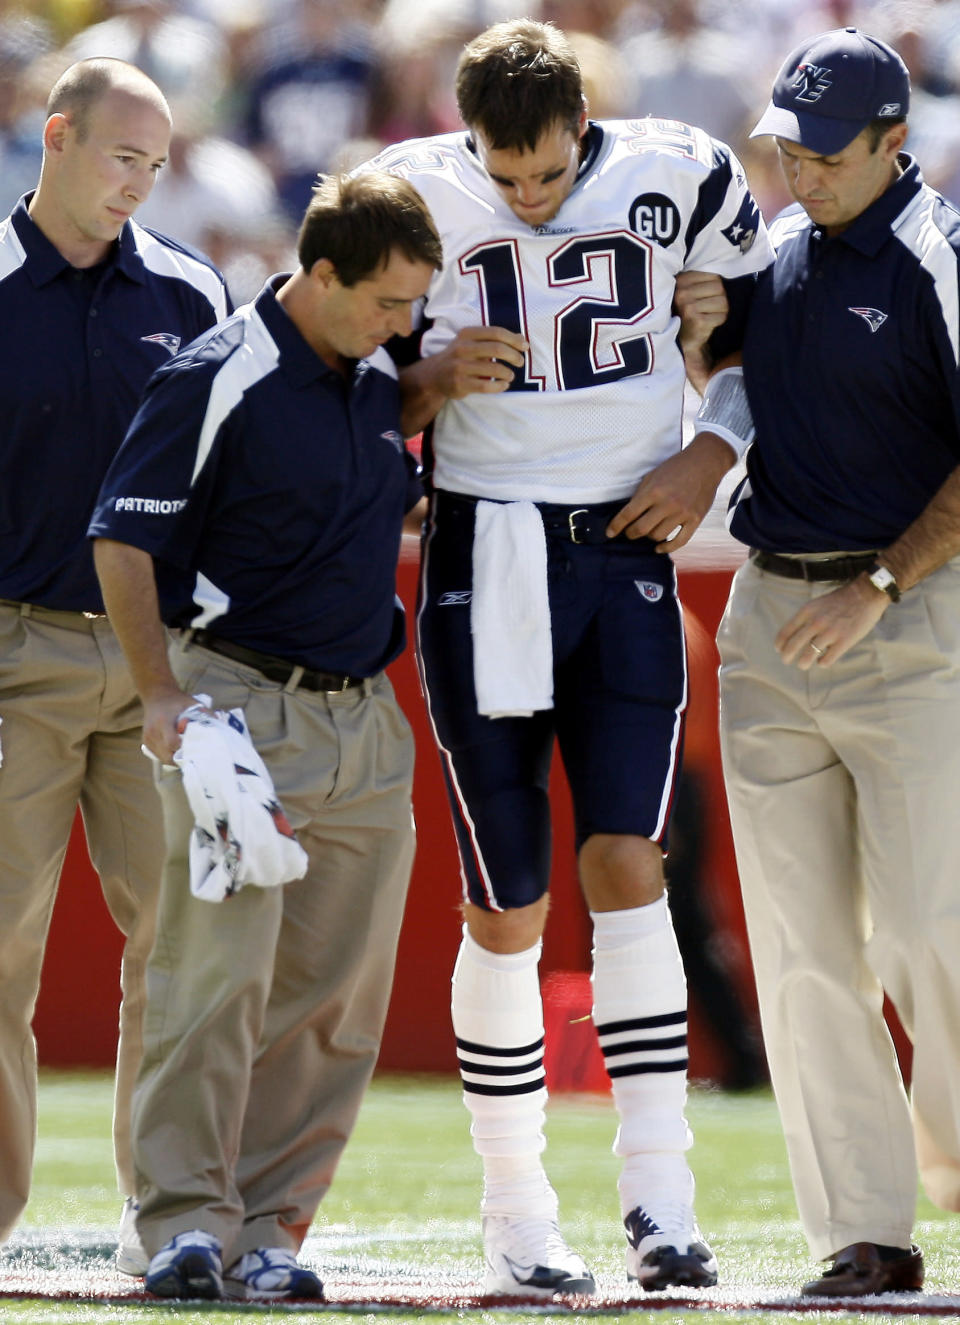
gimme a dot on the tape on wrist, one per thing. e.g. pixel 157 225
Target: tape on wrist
pixel 725 410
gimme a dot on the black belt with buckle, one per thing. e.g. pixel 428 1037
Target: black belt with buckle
pixel 576 524
pixel 582 524
pixel 273 668
pixel 819 571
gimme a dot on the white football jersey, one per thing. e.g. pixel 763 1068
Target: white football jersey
pixel 599 400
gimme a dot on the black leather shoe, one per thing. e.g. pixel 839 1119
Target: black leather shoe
pixel 859 1269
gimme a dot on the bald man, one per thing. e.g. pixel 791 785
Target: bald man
pixel 90 305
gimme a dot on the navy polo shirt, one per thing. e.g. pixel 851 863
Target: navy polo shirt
pixel 78 347
pixel 271 492
pixel 851 367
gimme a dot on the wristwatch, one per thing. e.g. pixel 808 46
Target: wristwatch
pixel 883 579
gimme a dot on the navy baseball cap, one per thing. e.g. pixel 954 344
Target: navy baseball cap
pixel 830 89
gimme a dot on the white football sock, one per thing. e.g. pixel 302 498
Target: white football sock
pixel 639 1009
pixel 498 1023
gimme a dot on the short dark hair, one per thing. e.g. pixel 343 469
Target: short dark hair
pixel 876 129
pixel 81 86
pixel 516 80
pixel 356 221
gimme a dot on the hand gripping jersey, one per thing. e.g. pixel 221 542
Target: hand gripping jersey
pixel 598 402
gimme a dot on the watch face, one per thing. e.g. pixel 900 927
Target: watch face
pixel 883 579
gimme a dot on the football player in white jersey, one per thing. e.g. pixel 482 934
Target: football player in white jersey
pixel 552 380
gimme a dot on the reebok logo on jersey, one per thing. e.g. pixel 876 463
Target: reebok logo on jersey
pixel 454 598
pixel 872 316
pixel 650 590
pixel 165 338
pixel 811 82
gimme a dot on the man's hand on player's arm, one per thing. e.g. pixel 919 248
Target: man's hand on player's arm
pixel 478 359
pixel 700 302
pixel 672 500
pixel 130 594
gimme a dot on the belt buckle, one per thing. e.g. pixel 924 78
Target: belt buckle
pixel 581 510
pixel 338 690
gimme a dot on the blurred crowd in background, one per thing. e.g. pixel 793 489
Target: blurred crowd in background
pixel 266 93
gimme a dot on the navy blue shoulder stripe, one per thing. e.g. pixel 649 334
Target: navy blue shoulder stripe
pixel 712 194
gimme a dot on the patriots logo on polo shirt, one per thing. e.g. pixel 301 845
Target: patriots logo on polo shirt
pixel 811 82
pixel 165 338
pixel 872 316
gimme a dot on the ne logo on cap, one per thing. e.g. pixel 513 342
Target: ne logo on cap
pixel 812 82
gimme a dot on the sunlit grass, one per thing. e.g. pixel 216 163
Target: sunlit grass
pixel 406 1198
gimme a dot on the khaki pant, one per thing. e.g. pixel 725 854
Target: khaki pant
pixel 843 785
pixel 70 734
pixel 265 1011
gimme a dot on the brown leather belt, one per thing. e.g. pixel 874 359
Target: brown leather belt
pixel 273 668
pixel 820 571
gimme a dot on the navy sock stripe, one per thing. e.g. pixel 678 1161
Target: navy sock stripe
pixel 639 1069
pixel 643 1046
pixel 642 1023
pixel 492 1051
pixel 473 1088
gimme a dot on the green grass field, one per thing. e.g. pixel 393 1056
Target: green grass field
pixel 406 1198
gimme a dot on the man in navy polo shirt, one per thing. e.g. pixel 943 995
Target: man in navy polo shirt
pixel 266 477
pixel 841 662
pixel 90 305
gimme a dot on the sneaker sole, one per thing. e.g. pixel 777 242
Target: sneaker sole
pixel 676 1272
pixel 237 1291
pixel 495 1286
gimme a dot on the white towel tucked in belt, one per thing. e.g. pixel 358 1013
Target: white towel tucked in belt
pixel 510 611
pixel 241 834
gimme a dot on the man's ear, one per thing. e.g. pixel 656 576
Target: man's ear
pixel 324 272
pixel 894 140
pixel 55 133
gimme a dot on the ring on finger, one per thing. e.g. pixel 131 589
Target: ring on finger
pixel 818 651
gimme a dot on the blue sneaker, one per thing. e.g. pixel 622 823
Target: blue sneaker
pixel 271 1274
pixel 188 1266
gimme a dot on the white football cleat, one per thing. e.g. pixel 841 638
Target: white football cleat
pixel 665 1249
pixel 131 1257
pixel 528 1257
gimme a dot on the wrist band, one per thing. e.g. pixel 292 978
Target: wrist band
pixel 725 410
